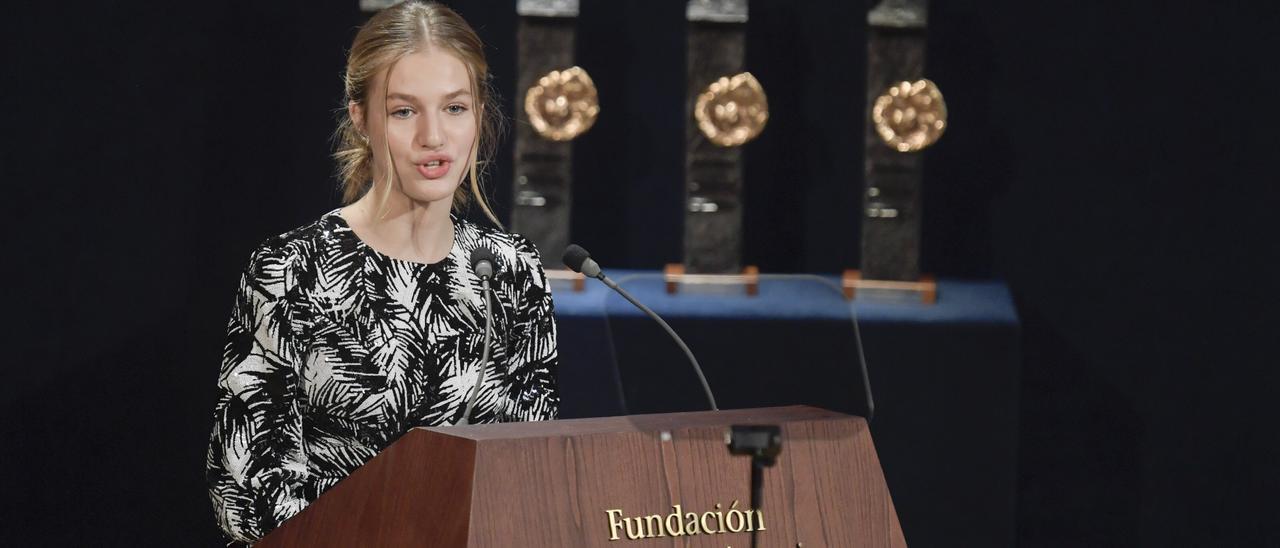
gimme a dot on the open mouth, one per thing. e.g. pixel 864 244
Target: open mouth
pixel 434 169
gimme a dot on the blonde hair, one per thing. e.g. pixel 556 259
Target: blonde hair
pixel 387 37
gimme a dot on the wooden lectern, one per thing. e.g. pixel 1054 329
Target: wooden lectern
pixel 641 480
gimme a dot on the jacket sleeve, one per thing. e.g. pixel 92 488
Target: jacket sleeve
pixel 534 359
pixel 256 462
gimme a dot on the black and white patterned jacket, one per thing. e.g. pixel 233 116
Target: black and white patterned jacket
pixel 334 351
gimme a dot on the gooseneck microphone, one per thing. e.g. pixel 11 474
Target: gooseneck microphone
pixel 579 260
pixel 485 265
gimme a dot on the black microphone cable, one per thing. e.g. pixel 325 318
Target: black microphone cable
pixel 485 266
pixel 867 395
pixel 577 259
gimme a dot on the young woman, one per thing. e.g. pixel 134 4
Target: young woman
pixel 353 329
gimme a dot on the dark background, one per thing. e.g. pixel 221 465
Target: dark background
pixel 1111 162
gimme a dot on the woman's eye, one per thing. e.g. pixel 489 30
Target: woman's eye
pixel 455 109
pixel 402 112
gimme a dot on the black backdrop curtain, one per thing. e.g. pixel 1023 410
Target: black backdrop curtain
pixel 1111 162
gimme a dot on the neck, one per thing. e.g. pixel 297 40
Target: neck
pixel 403 228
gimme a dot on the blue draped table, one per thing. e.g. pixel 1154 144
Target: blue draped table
pixel 945 378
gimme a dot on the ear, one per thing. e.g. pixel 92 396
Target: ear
pixel 356 112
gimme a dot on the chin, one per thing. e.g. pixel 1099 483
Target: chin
pixel 423 190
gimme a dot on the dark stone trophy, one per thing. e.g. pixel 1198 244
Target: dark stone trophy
pixel 726 108
pixel 905 114
pixel 560 102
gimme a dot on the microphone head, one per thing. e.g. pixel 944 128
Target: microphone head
pixel 483 262
pixel 574 256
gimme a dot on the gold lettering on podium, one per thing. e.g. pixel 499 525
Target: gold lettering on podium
pixel 680 523
pixel 614 524
pixel 678 530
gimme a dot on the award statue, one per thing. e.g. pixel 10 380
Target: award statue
pixel 726 107
pixel 560 103
pixel 905 114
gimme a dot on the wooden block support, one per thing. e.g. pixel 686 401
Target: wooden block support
pixel 577 281
pixel 674 275
pixel 927 287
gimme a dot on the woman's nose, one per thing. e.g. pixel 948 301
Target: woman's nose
pixel 429 132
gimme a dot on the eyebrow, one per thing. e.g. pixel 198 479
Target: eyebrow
pixel 410 98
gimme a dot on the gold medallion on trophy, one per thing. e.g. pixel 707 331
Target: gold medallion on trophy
pixel 732 110
pixel 910 116
pixel 563 104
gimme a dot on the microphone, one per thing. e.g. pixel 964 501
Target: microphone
pixel 485 265
pixel 578 260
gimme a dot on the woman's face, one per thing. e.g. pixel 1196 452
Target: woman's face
pixel 428 124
